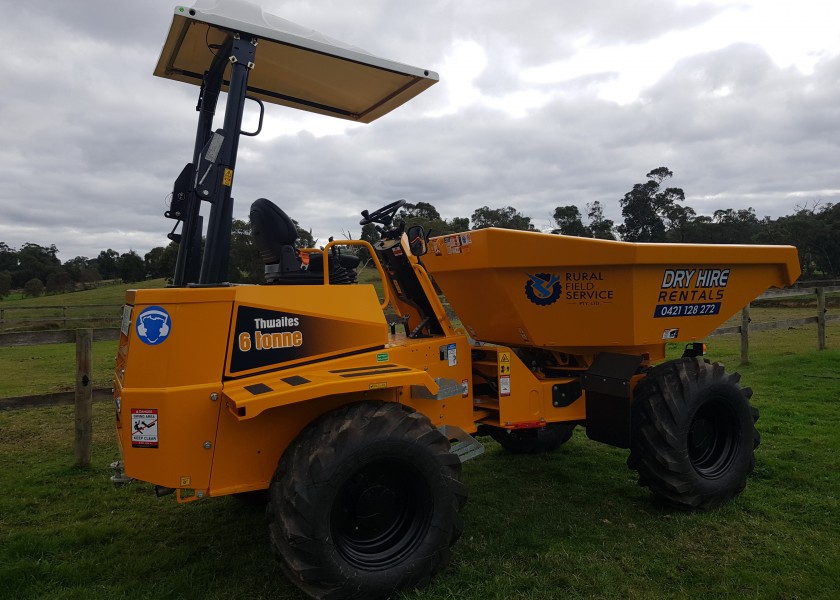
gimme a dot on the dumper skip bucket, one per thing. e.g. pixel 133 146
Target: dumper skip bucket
pixel 522 288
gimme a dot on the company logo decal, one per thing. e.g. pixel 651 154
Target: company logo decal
pixel 691 292
pixel 153 325
pixel 543 289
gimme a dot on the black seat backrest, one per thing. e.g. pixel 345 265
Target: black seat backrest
pixel 272 229
pixel 275 233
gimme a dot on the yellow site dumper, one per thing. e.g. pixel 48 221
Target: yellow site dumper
pixel 349 408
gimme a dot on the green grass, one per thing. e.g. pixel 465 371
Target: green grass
pixel 106 294
pixel 80 305
pixel 31 370
pixel 571 524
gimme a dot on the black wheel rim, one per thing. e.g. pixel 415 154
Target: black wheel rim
pixel 713 439
pixel 381 514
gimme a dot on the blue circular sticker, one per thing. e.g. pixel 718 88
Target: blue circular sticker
pixel 153 325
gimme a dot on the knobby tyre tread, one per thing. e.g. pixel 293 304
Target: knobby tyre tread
pixel 694 434
pixel 311 535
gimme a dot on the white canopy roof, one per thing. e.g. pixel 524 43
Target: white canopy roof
pixel 294 66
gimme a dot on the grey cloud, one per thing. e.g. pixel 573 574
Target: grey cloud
pixel 92 142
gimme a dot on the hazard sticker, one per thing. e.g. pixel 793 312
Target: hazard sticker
pixel 504 385
pixel 670 334
pixel 452 354
pixel 504 363
pixel 144 428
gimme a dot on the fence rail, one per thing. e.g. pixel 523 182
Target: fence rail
pixel 82 396
pixel 59 314
pixel 747 326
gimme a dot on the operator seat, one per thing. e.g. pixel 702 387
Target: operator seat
pixel 275 234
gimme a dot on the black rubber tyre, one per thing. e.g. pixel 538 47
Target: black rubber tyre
pixel 533 441
pixel 694 434
pixel 366 502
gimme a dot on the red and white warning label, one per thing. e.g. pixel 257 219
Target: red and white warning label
pixel 144 428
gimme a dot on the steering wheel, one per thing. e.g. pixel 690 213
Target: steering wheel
pixel 382 215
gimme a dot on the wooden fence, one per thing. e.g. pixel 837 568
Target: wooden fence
pixel 57 314
pixel 83 395
pixel 746 326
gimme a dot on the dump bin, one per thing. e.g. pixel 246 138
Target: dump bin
pixel 521 288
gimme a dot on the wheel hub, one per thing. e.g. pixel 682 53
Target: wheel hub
pixel 380 514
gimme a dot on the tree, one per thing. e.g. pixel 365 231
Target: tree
pixel 458 224
pixel 245 265
pixel 506 218
pixel 160 261
pixel 304 237
pixel 815 231
pixel 646 207
pixel 8 258
pixel 371 236
pixel 108 264
pixel 33 288
pixel 600 227
pixel 427 216
pixel 89 277
pixel 59 281
pixel 131 267
pixel 35 262
pixel 75 265
pixel 569 222
pixel 421 210
pixel 5 284
pixel 726 226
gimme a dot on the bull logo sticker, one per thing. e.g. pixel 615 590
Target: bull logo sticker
pixel 153 325
pixel 543 289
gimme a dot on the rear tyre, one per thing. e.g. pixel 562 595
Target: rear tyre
pixel 693 434
pixel 366 502
pixel 533 441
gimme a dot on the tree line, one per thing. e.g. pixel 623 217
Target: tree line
pixel 651 212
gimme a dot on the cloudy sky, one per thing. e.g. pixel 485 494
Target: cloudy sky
pixel 541 103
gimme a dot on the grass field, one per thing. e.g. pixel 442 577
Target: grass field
pixel 571 524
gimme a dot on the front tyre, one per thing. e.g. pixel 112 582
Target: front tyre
pixel 366 502
pixel 693 434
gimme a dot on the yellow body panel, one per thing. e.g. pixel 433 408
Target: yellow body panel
pixel 525 397
pixel 239 371
pixel 255 429
pixel 579 295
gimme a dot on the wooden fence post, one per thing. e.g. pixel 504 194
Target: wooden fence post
pixel 745 335
pixel 821 318
pixel 84 397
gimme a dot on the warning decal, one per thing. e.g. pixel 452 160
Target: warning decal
pixel 144 428
pixel 504 363
pixel 504 385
